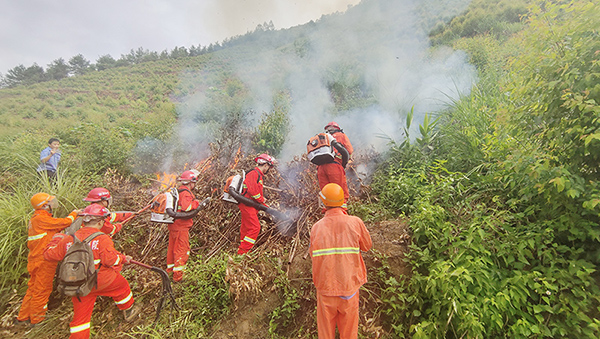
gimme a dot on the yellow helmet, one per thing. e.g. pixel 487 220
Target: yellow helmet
pixel 332 195
pixel 40 200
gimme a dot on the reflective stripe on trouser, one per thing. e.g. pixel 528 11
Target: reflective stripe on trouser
pixel 333 173
pixel 250 228
pixel 332 311
pixel 118 290
pixel 178 252
pixel 39 288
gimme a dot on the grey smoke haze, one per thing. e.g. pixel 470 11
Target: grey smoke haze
pixel 40 31
pixel 383 43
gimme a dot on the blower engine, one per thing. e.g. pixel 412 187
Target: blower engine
pixel 160 204
pixel 235 181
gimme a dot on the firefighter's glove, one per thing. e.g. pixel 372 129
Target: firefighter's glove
pixel 128 259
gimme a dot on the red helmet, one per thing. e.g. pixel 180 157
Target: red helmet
pixel 333 124
pixel 265 159
pixel 98 194
pixel 95 210
pixel 188 176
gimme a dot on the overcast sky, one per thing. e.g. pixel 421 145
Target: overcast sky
pixel 40 31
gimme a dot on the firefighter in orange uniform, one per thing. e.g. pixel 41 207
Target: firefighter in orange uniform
pixel 110 282
pixel 188 207
pixel 253 189
pixel 338 267
pixel 335 172
pixel 42 227
pixel 102 197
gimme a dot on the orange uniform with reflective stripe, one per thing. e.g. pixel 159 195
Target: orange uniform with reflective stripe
pixel 178 250
pixel 338 271
pixel 110 281
pixel 250 228
pixel 42 228
pixel 112 223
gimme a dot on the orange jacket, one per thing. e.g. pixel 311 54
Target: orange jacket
pixel 253 186
pixel 342 139
pixel 41 229
pixel 335 245
pixel 106 257
pixel 110 228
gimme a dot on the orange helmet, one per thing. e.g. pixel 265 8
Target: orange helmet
pixel 188 176
pixel 98 194
pixel 265 159
pixel 332 195
pixel 40 200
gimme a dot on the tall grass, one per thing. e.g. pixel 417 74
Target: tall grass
pixel 20 181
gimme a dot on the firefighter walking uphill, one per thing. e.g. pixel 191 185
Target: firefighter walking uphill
pixel 41 229
pixel 187 207
pixel 108 263
pixel 335 171
pixel 253 189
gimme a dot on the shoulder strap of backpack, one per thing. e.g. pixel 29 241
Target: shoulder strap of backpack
pixel 91 237
pixel 182 190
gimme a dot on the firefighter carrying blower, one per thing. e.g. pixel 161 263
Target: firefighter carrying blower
pixel 248 193
pixel 103 278
pixel 331 151
pixel 42 227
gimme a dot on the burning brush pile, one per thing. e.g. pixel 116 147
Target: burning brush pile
pixel 291 189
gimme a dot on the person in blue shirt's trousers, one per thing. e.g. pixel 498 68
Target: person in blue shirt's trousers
pixel 49 157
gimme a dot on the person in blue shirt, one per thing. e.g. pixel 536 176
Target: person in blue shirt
pixel 49 157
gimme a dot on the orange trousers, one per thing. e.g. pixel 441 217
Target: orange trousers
pixel 332 311
pixel 118 290
pixel 178 252
pixel 39 288
pixel 333 173
pixel 250 228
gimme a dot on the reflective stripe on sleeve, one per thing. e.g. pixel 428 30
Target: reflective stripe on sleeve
pixel 36 237
pixel 71 217
pixel 178 268
pixel 96 262
pixel 250 240
pixel 117 261
pixel 80 328
pixel 339 250
pixel 125 300
pixel 113 217
pixel 170 265
pixel 257 196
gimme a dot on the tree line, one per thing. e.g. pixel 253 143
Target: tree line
pixel 79 65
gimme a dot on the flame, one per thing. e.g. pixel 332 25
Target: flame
pixel 237 157
pixel 166 180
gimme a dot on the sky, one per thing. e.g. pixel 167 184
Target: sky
pixel 40 31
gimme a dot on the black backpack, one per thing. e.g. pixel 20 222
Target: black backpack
pixel 77 275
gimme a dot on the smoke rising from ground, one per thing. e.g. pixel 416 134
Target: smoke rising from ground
pixel 378 49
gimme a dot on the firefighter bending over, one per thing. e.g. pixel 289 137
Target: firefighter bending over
pixel 110 282
pixel 335 172
pixel 338 267
pixel 102 197
pixel 253 189
pixel 187 207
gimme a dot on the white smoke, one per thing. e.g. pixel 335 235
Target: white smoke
pixel 380 44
